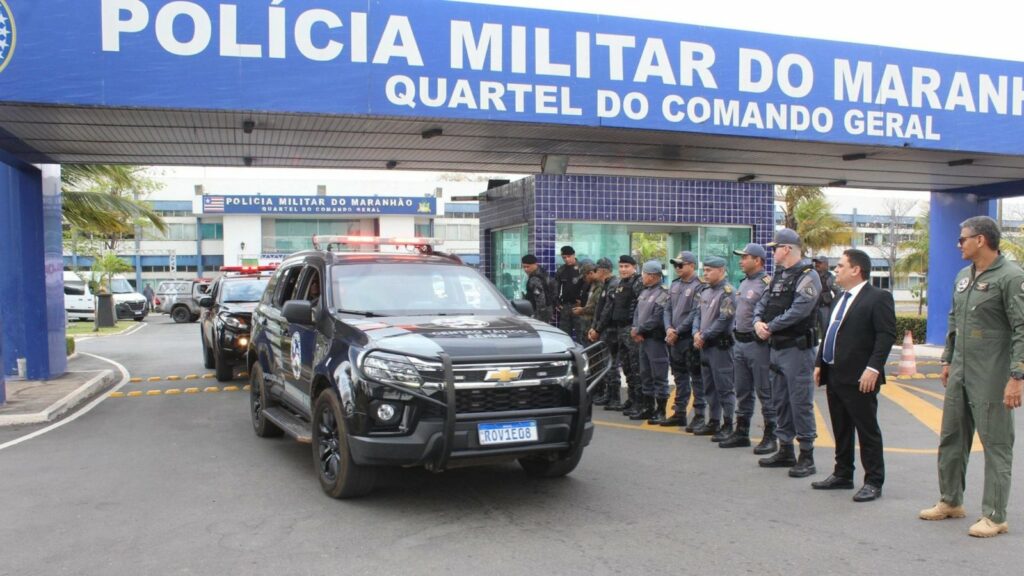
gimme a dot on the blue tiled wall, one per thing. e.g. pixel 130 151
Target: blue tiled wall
pixel 539 201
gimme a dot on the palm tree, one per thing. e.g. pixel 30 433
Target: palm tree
pixel 916 257
pixel 791 196
pixel 818 227
pixel 103 199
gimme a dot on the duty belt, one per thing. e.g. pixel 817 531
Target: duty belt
pixel 744 337
pixel 801 342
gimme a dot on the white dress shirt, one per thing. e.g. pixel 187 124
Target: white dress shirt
pixel 853 292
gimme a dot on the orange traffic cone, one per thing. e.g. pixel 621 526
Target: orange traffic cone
pixel 908 363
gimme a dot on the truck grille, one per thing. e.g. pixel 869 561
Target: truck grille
pixel 510 398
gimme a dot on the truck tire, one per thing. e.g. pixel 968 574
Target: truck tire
pixel 181 314
pixel 258 401
pixel 339 476
pixel 541 467
pixel 225 370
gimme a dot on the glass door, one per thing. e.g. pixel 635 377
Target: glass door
pixel 509 245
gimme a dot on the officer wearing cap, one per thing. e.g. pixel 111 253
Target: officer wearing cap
pixel 537 288
pixel 829 292
pixel 712 335
pixel 649 333
pixel 569 278
pixel 752 356
pixel 786 317
pixel 683 297
pixel 623 307
pixel 602 329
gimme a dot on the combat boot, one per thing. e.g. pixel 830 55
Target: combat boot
pixel 710 428
pixel 784 458
pixel 646 409
pixel 804 465
pixel 601 399
pixel 697 422
pixel 741 437
pixel 614 392
pixel 677 419
pixel 661 406
pixel 768 442
pixel 724 432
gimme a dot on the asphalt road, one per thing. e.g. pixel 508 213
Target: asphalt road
pixel 179 484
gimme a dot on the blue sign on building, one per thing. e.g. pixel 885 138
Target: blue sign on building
pixel 429 58
pixel 319 205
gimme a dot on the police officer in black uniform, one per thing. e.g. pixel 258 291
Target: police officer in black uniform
pixel 570 285
pixel 608 391
pixel 623 305
pixel 537 288
pixel 829 292
pixel 786 317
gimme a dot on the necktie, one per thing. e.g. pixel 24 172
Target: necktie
pixel 829 354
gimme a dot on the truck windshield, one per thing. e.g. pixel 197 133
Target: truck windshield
pixel 244 290
pixel 406 289
pixel 120 286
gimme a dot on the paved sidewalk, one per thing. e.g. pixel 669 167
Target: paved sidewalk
pixel 37 402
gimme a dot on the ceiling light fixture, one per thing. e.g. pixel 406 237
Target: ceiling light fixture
pixel 248 126
pixel 855 156
pixel 837 183
pixel 961 162
pixel 431 133
pixel 247 160
pixel 746 178
pixel 391 164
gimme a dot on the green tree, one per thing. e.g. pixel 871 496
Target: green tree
pixel 106 266
pixel 915 259
pixel 105 201
pixel 649 246
pixel 818 227
pixel 791 196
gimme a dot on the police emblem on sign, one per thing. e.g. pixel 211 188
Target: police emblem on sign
pixel 296 356
pixel 8 35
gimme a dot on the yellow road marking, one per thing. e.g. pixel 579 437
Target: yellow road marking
pixel 207 376
pixel 173 378
pixel 824 432
pixel 231 388
pixel 211 389
pixel 921 391
pixel 135 379
pixel 923 410
pixel 154 392
pixel 191 390
pixel 172 392
pixel 134 394
pixel 191 377
pixel 117 394
pixel 247 387
pixel 153 379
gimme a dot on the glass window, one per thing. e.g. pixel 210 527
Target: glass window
pixel 509 246
pixel 721 241
pixel 74 289
pixel 212 231
pixel 420 289
pixel 591 240
pixel 247 290
pixel 285 236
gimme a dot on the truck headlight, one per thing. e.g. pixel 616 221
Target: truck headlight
pixel 234 323
pixel 391 369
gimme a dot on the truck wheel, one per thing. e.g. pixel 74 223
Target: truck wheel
pixel 181 315
pixel 208 361
pixel 225 369
pixel 339 476
pixel 258 401
pixel 541 467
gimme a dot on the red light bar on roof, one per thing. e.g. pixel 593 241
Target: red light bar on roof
pixel 249 269
pixel 322 240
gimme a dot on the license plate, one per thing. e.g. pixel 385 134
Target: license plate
pixel 492 433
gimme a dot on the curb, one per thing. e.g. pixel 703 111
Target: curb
pixel 61 407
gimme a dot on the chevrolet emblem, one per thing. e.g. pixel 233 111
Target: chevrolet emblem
pixel 503 375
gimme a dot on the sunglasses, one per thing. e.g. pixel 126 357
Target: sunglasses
pixel 678 266
pixel 960 241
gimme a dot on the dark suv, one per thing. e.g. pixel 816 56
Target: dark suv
pixel 226 319
pixel 413 360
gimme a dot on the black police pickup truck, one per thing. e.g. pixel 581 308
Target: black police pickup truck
pixel 226 317
pixel 391 359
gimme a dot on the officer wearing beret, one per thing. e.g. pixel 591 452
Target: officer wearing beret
pixel 752 356
pixel 682 307
pixel 712 335
pixel 569 277
pixel 983 372
pixel 603 329
pixel 786 316
pixel 649 333
pixel 537 288
pixel 829 292
pixel 623 307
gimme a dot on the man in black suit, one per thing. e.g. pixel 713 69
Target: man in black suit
pixel 851 363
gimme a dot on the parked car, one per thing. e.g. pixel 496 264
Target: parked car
pixel 128 303
pixel 180 298
pixel 391 359
pixel 79 302
pixel 226 319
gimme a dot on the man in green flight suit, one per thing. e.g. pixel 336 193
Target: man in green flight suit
pixel 983 372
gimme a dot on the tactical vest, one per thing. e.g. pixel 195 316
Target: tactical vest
pixel 624 301
pixel 783 292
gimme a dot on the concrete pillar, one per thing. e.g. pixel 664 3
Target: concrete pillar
pixel 31 269
pixel 948 210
